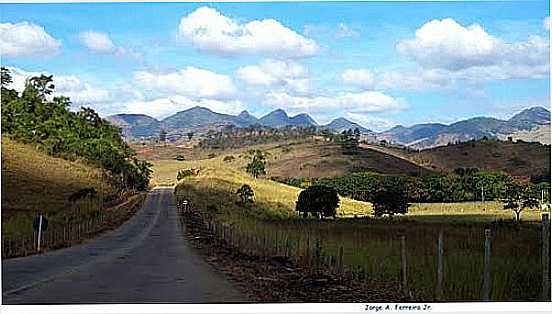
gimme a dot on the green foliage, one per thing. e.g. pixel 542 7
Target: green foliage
pixel 349 141
pixel 520 196
pixel 257 165
pixel 183 174
pixel 32 118
pixel 318 200
pixel 246 194
pixel 391 197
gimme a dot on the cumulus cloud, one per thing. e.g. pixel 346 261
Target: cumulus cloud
pixel 163 107
pixel 79 91
pixel 289 75
pixel 362 102
pixel 97 41
pixel 190 81
pixel 25 39
pixel 209 30
pixel 448 45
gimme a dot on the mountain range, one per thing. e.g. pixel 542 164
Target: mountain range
pixel 199 119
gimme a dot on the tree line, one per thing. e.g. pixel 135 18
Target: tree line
pixel 33 116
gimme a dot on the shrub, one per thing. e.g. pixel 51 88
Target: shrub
pixel 183 174
pixel 246 194
pixel 319 200
pixel 228 158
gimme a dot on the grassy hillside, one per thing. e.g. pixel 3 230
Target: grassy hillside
pixel 516 158
pixel 290 159
pixel 33 181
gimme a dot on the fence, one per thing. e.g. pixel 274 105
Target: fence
pixel 425 266
pixel 55 236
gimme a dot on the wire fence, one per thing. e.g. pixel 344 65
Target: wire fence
pixel 432 265
pixel 55 236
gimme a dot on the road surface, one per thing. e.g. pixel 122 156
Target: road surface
pixel 146 260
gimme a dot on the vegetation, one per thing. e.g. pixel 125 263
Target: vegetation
pixel 246 194
pixel 257 165
pixel 390 198
pixel 318 200
pixel 518 197
pixel 181 174
pixel 31 117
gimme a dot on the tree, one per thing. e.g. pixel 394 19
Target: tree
pixel 42 84
pixel 391 197
pixel 190 135
pixel 319 200
pixel 518 197
pixel 246 194
pixel 6 78
pixel 257 165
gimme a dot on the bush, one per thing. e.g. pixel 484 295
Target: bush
pixel 246 194
pixel 228 158
pixel 318 200
pixel 183 174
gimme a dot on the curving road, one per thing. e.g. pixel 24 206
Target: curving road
pixel 146 260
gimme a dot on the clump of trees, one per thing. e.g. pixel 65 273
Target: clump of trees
pixel 246 194
pixel 319 201
pixel 457 186
pixel 257 165
pixel 35 117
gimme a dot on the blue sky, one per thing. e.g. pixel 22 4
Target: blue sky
pixel 376 63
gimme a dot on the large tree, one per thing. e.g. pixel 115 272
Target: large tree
pixel 391 197
pixel 318 200
pixel 518 197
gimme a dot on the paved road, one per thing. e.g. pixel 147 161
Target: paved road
pixel 146 260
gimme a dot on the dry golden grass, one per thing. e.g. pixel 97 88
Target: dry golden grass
pixel 33 181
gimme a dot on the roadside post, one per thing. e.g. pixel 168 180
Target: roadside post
pixel 40 224
pixel 545 257
pixel 486 293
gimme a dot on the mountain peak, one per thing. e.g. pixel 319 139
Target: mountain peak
pixel 340 124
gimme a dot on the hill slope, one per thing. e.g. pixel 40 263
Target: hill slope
pixel 33 181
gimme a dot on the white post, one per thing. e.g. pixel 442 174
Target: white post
pixel 39 233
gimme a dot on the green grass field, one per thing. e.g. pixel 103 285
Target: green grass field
pixel 373 244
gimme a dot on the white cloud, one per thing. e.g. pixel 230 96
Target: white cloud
pixel 448 45
pixel 370 122
pixel 81 93
pixel 192 82
pixel 97 41
pixel 362 102
pixel 163 107
pixel 276 73
pixel 25 39
pixel 547 23
pixel 209 30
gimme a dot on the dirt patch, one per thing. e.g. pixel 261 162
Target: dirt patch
pixel 277 279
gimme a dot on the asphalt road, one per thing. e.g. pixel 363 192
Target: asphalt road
pixel 146 260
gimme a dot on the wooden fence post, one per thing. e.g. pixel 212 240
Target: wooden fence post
pixel 545 258
pixel 486 293
pixel 340 263
pixel 439 290
pixel 404 282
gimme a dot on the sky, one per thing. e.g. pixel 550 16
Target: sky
pixel 375 63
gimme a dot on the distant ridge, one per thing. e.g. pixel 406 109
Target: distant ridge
pixel 527 124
